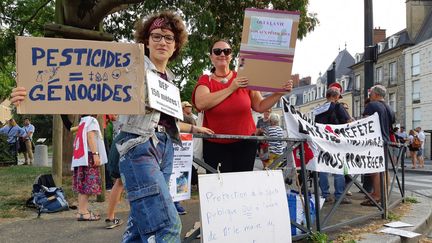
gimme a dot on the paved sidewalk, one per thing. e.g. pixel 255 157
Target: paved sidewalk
pixel 62 227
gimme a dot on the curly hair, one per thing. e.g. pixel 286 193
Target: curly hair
pixel 175 24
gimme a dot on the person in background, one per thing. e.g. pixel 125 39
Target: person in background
pixel 227 106
pixel 108 138
pixel 332 112
pixel 275 148
pixel 187 113
pixel 422 138
pixel 29 129
pixel 87 157
pixel 401 135
pixel 413 151
pixel 13 133
pixel 387 119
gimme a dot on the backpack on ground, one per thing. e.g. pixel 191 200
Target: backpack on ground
pixel 46 197
pixel 416 143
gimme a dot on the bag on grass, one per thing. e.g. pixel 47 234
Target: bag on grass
pixel 46 197
pixel 49 199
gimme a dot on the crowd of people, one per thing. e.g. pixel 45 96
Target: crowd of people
pixel 139 148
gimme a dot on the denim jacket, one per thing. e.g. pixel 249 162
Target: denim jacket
pixel 144 125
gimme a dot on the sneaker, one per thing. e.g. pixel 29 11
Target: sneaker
pixel 180 209
pixel 111 224
pixel 349 193
pixel 346 201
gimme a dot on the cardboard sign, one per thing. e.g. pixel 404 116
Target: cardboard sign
pixel 65 76
pixel 180 180
pixel 267 48
pixel 164 96
pixel 244 207
pixel 352 148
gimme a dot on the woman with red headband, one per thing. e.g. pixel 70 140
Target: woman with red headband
pixel 145 142
pixel 227 104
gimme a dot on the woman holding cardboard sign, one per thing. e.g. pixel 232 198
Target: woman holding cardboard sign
pixel 145 143
pixel 227 105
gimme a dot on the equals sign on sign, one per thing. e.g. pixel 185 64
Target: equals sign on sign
pixel 75 77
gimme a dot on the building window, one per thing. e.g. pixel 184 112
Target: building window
pixel 393 41
pixel 416 91
pixel 293 100
pixel 305 98
pixel 415 69
pixel 416 117
pixel 381 46
pixel 378 75
pixel 392 101
pixel 357 83
pixel 393 73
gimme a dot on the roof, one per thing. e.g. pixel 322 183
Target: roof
pixel 426 30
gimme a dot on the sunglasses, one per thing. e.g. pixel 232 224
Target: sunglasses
pixel 158 37
pixel 218 51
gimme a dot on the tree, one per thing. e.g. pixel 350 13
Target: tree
pixel 204 18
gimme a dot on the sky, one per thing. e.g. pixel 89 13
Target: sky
pixel 342 21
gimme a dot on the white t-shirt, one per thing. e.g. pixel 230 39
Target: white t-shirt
pixel 422 138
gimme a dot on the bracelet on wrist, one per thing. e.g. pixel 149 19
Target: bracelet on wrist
pixel 95 153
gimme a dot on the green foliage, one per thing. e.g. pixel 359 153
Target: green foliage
pixel 24 17
pixel 205 20
pixel 318 237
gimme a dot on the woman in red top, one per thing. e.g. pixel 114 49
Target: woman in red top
pixel 227 105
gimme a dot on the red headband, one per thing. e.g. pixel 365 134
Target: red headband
pixel 160 23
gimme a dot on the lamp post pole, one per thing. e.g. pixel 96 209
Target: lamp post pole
pixel 369 53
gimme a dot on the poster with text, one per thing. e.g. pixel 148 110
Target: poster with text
pixel 267 48
pixel 180 180
pixel 353 148
pixel 244 207
pixel 64 76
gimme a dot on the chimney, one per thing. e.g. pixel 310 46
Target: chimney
pixel 305 81
pixel 296 80
pixel 379 35
pixel 416 12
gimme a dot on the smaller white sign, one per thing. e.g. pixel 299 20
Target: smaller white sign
pixel 180 180
pixel 404 233
pixel 244 207
pixel 163 96
pixel 398 224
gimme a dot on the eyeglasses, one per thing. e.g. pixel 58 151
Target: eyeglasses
pixel 158 37
pixel 218 51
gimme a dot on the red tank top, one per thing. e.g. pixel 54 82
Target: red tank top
pixel 233 116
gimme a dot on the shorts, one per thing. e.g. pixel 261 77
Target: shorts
pixel 420 152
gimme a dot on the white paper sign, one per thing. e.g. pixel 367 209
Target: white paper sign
pixel 398 224
pixel 270 32
pixel 180 180
pixel 353 148
pixel 404 233
pixel 244 207
pixel 163 96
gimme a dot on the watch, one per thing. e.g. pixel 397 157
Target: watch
pixel 95 153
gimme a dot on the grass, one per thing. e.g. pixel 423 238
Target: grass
pixel 16 188
pixel 393 216
pixel 317 237
pixel 411 200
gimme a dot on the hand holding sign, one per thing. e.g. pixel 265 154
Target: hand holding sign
pixel 18 94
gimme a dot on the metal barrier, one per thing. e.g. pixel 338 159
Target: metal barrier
pixel 321 226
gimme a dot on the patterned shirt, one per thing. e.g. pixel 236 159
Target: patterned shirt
pixel 275 147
